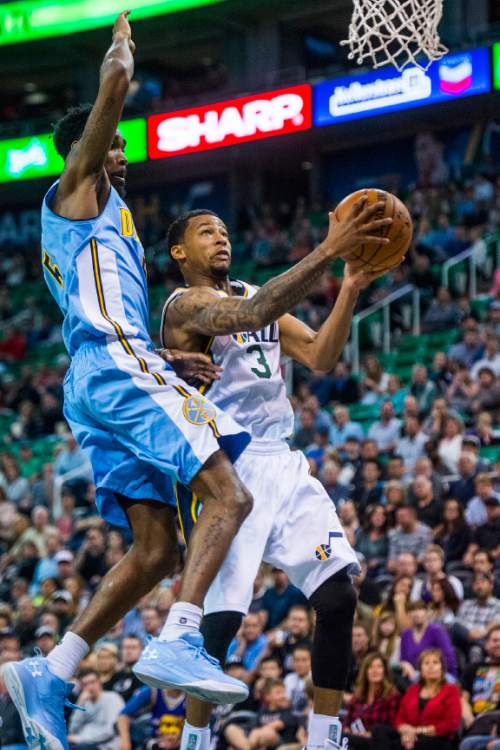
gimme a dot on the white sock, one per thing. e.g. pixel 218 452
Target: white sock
pixel 64 659
pixel 323 728
pixel 195 738
pixel 182 618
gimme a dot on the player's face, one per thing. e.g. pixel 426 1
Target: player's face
pixel 116 164
pixel 207 246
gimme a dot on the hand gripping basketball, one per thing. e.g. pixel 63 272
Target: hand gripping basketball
pixel 359 225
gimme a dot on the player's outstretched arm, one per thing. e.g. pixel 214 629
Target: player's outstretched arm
pixel 86 159
pixel 200 311
pixel 320 350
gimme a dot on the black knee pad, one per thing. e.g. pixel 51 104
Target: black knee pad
pixel 219 629
pixel 334 603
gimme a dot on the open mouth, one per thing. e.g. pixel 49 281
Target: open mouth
pixel 222 255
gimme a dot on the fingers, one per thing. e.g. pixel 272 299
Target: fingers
pixel 371 210
pixel 376 239
pixel 359 206
pixel 372 226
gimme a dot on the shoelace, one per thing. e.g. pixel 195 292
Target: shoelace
pixel 202 653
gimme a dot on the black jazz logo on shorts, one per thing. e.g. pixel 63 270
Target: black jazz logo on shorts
pixel 324 551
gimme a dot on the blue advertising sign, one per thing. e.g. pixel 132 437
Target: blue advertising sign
pixel 351 98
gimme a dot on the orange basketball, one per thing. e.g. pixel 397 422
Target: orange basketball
pixel 376 256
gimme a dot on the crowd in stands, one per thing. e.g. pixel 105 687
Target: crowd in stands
pixel 412 464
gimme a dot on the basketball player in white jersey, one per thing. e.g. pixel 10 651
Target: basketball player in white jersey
pixel 293 524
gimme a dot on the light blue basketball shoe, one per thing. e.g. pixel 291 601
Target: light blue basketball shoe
pixel 40 697
pixel 184 664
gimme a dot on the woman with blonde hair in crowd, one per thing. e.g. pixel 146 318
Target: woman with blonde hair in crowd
pixel 372 540
pixel 106 664
pixel 386 639
pixel 394 496
pixel 375 702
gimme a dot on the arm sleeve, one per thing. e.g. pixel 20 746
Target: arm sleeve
pixel 403 715
pixel 140 699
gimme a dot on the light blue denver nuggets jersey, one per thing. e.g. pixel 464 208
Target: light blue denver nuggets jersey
pixel 81 258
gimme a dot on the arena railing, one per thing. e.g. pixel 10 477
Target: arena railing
pixel 353 349
pixel 480 256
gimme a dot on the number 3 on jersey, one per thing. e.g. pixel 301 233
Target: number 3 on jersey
pixel 264 371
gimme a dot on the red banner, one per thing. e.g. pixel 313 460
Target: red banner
pixel 226 123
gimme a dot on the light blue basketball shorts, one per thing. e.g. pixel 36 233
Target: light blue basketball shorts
pixel 142 427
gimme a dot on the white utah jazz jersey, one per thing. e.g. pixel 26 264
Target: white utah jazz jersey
pixel 251 388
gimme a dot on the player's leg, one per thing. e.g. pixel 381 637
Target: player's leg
pixel 309 544
pixel 230 595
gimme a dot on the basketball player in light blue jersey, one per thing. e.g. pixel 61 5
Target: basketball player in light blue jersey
pixel 140 426
pixel 293 524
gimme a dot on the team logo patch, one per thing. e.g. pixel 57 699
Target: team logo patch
pixel 323 551
pixel 198 411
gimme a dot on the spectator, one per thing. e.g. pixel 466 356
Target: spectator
pixel 424 635
pixel 151 621
pixel 490 358
pixel 443 314
pixel 124 682
pixel 444 602
pixel 429 712
pixel 45 639
pixel 106 664
pixel 342 428
pixel 318 450
pixel 72 459
pixel 370 491
pixel 168 711
pixel 453 534
pixel 343 387
pixel 434 569
pixel 487 536
pixel 305 434
pixel 91 559
pixel 360 648
pixel 481 681
pixel 375 701
pixel 295 681
pixel 386 639
pixel 423 389
pixel 476 615
pixel 249 645
pixel 277 724
pixel 469 350
pixel 329 476
pixel 450 445
pixel 349 520
pixel 297 632
pixel 486 395
pixel 397 601
pixel 463 487
pixel 409 536
pixel 386 432
pixel 279 599
pixel 428 509
pixel 94 728
pixel 411 446
pixel 476 513
pixel 12 730
pixel 375 382
pixel 372 541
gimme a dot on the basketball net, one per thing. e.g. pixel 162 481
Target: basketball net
pixel 395 31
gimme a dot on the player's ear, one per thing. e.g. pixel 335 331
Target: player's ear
pixel 177 253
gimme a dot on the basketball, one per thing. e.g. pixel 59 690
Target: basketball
pixel 378 256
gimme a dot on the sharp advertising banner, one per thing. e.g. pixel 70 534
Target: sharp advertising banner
pixel 374 93
pixel 226 123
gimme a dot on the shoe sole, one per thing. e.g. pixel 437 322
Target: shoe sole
pixel 205 690
pixel 30 726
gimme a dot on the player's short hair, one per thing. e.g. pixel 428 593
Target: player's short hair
pixel 177 229
pixel 70 128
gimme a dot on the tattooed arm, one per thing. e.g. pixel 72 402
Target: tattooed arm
pixel 320 350
pixel 200 311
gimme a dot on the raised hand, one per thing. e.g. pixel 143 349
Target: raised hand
pixel 357 228
pixel 122 30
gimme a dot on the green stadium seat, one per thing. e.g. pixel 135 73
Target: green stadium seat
pixel 490 452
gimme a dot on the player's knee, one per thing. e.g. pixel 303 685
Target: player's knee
pixel 157 562
pixel 235 497
pixel 335 601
